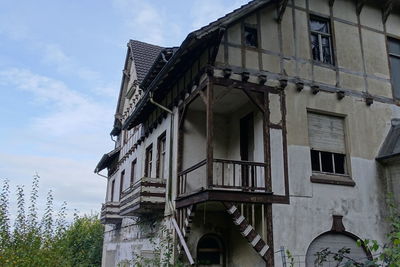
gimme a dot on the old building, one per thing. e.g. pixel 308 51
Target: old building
pixel 274 127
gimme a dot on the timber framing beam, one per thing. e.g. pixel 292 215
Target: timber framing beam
pixel 359 5
pixel 386 10
pixel 282 4
pixel 331 2
pixel 231 196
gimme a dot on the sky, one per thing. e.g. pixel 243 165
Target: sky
pixel 60 71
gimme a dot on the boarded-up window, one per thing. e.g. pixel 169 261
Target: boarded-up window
pixel 326 133
pixel 394 57
pixel 334 242
pixel 327 143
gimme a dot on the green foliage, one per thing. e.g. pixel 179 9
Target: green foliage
pixel 163 245
pixel 52 242
pixel 290 258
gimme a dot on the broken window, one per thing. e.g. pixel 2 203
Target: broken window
pixel 149 161
pixel 327 142
pixel 394 58
pixel 210 251
pixel 321 40
pixel 250 36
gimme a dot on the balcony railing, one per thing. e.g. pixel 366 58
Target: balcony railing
pixel 145 196
pixel 227 175
pixel 110 213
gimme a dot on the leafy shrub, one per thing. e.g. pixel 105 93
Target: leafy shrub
pixel 48 242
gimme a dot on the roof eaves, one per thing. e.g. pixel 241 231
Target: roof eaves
pixel 196 35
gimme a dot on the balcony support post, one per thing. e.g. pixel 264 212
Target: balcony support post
pixel 267 149
pixel 210 128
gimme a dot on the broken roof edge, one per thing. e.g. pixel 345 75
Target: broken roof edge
pixel 391 146
pixel 106 158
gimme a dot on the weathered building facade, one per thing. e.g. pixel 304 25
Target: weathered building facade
pixel 274 126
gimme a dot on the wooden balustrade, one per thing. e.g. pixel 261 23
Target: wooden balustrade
pixel 227 174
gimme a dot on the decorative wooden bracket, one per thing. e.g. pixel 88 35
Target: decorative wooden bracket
pixel 256 99
pixel 282 4
pixel 386 10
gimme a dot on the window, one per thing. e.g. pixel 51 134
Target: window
pixel 394 59
pixel 149 161
pixel 112 190
pixel 121 183
pixel 161 146
pixel 327 142
pixel 210 251
pixel 125 137
pixel 321 40
pixel 133 171
pixel 250 36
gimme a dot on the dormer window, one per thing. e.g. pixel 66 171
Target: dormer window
pixel 250 36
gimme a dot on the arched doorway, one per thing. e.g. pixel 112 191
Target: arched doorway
pixel 334 242
pixel 210 251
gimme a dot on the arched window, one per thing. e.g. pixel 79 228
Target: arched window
pixel 334 242
pixel 210 251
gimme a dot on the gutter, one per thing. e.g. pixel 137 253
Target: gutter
pixel 171 139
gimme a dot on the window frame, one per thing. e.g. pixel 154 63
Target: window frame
pixel 252 27
pixel 328 177
pixel 112 190
pixel 221 250
pixel 161 154
pixel 148 161
pixel 329 35
pixel 133 171
pixel 121 183
pixel 390 56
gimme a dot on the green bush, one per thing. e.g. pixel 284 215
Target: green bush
pixel 48 242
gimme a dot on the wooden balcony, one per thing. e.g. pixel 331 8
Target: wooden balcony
pixel 143 197
pixel 231 180
pixel 110 213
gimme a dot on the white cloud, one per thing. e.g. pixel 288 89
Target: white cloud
pixel 205 11
pixel 149 23
pixel 70 112
pixel 72 128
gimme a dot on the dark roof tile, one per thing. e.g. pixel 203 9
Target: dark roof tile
pixel 144 55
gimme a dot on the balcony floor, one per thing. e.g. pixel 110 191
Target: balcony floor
pixel 229 196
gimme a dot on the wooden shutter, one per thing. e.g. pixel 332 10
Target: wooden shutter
pixel 326 133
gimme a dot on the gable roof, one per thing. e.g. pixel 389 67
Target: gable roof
pixel 190 41
pixel 391 146
pixel 144 55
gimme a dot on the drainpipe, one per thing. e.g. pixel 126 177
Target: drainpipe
pixel 171 138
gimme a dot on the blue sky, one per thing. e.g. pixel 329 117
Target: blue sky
pixel 60 72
